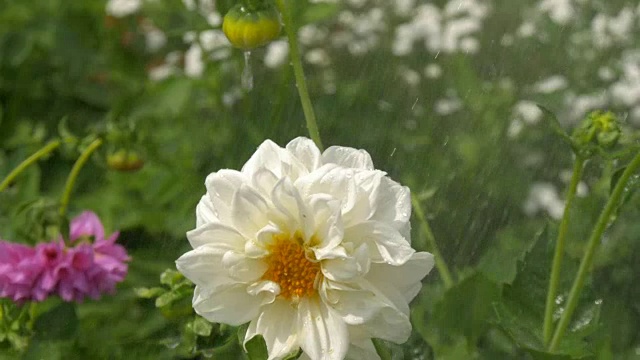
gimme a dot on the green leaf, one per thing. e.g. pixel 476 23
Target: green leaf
pixel 167 298
pixel 524 330
pixel 171 277
pixel 520 314
pixel 465 308
pixel 59 323
pixel 256 348
pixel 50 350
pixel 201 327
pixel 632 185
pixel 293 355
pixel 531 283
pixel 500 262
pixel 149 293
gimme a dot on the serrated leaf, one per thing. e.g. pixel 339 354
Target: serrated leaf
pixel 525 330
pixel 521 312
pixel 532 280
pixel 465 307
pixel 500 262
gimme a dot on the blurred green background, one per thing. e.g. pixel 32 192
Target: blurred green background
pixel 441 93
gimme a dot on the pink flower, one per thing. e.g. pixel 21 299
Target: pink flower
pixel 87 267
pixel 19 270
pixel 91 268
pixel 48 256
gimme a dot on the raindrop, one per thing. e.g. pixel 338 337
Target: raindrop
pixel 247 74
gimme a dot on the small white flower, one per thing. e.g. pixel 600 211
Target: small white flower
pixel 122 8
pixel 313 250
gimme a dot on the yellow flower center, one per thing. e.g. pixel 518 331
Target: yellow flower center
pixel 289 267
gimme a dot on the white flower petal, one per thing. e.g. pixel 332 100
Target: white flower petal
pixel 279 161
pixel 243 268
pixel 347 157
pixel 221 186
pixel 249 211
pixel 306 151
pixel 203 266
pixel 385 243
pixel 362 350
pixel 264 180
pixel 277 325
pixel 265 235
pixel 339 183
pixel 357 307
pixel 347 268
pixel 321 332
pixel 294 212
pixel 405 279
pixel 205 211
pixel 329 230
pixel 265 286
pixel 217 233
pixel 231 305
pixel 391 321
pixel 392 204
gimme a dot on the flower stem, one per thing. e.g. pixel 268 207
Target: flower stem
pixel 592 244
pixel 75 170
pixel 44 151
pixel 440 263
pixel 578 166
pixel 298 72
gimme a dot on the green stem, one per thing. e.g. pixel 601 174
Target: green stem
pixel 592 244
pixel 578 166
pixel 75 170
pixel 44 151
pixel 298 72
pixel 440 263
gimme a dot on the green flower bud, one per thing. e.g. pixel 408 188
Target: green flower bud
pixel 598 128
pixel 125 160
pixel 248 28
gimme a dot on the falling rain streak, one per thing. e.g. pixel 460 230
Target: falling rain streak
pixel 247 74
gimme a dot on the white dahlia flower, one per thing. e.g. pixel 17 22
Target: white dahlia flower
pixel 313 250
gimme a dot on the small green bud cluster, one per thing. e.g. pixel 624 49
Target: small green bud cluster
pixel 598 129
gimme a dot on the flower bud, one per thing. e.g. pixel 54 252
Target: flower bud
pixel 248 28
pixel 125 160
pixel 599 128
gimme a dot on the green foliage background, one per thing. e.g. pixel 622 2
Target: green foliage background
pixel 68 60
